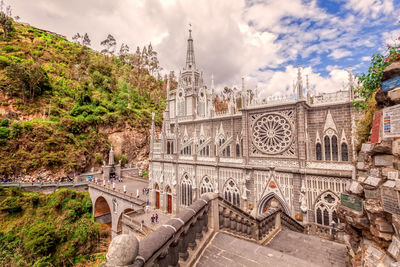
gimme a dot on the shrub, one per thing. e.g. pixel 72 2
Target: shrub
pixel 4 123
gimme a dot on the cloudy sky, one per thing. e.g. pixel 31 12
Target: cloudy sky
pixel 262 40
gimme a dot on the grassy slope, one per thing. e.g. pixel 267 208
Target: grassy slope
pixel 57 228
pixel 88 94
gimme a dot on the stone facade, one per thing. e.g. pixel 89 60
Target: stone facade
pixel 293 151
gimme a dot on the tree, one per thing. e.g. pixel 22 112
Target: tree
pixel 153 60
pixel 8 11
pixel 6 24
pixel 86 40
pixel 109 45
pixel 77 38
pixel 27 78
pixel 123 51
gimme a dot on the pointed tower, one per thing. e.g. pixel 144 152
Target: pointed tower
pixel 190 62
pixel 111 156
pixel 299 84
pixel 243 95
pixel 308 90
pixel 351 84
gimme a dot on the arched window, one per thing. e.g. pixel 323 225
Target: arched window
pixel 181 103
pixel 345 152
pixel 186 191
pixel 237 150
pixel 231 193
pixel 319 216
pixel 327 144
pixel 318 151
pixel 334 148
pixel 206 186
pixel 325 209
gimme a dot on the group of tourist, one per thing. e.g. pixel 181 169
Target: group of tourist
pixel 145 191
pixel 154 218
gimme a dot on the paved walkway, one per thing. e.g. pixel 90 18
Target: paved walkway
pixel 132 185
pixel 226 250
pixel 310 248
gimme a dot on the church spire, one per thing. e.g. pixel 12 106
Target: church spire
pixel 190 63
pixel 299 83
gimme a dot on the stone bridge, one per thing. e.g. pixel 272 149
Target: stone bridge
pixel 109 205
pixel 47 188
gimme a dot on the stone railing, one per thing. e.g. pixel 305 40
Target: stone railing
pixel 324 231
pixel 181 240
pixel 171 242
pixel 128 220
pixel 128 197
pixel 336 97
pixel 290 223
pixel 261 229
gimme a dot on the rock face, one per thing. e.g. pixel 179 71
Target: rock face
pixel 122 250
pixel 373 232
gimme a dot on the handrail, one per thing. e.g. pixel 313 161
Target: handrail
pixel 20 185
pixel 120 195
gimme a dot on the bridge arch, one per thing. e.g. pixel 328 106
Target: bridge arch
pixel 101 207
pixel 119 225
pixel 268 200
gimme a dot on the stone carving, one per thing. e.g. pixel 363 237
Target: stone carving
pixel 272 133
pixel 303 199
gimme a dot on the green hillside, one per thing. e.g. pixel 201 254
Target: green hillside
pixel 49 230
pixel 59 99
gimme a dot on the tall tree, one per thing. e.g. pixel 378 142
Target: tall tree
pixel 86 40
pixel 77 38
pixel 123 51
pixel 109 45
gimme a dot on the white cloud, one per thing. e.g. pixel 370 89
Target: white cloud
pixel 339 53
pixel 371 8
pixel 231 38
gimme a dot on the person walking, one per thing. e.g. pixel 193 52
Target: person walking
pixel 137 193
pixel 152 218
pixel 124 189
pixel 156 217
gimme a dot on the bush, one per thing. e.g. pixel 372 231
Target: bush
pixel 4 133
pixel 5 123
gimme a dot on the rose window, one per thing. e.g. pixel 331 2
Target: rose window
pixel 272 134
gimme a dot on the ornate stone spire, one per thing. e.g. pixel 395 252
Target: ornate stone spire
pixel 308 89
pixel 168 88
pixel 299 83
pixel 243 94
pixel 152 133
pixel 190 62
pixel 111 156
pixel 351 84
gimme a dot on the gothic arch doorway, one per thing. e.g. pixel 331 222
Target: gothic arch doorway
pixel 157 188
pixel 169 199
pixel 272 200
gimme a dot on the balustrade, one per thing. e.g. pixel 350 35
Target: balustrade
pixel 169 244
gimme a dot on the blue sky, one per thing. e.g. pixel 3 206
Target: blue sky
pixel 260 40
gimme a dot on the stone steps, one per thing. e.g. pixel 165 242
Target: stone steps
pixel 310 248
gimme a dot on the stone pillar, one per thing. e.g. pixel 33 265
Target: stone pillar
pixel 173 253
pixel 278 220
pixel 183 245
pixel 192 237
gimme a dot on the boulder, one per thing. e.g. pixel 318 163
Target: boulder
pixel 122 250
pixel 383 160
pixel 384 147
pixel 391 71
